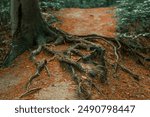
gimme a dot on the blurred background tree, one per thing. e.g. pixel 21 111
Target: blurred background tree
pixel 4 12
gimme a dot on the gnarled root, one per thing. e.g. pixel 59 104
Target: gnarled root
pixel 83 76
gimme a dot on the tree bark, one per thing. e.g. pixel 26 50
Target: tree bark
pixel 28 28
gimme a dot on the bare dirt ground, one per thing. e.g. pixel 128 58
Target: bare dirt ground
pixel 59 85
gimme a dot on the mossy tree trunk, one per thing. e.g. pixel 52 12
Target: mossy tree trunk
pixel 28 28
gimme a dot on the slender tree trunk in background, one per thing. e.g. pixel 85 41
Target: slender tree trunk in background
pixel 28 28
pixel 110 2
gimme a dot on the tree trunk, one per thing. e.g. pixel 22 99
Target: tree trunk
pixel 28 28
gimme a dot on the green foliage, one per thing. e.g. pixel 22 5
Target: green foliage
pixel 54 4
pixel 133 18
pixel 84 3
pixel 4 12
pixel 57 4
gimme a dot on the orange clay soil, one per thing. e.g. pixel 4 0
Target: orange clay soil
pixel 59 85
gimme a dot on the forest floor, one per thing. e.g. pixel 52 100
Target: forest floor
pixel 59 85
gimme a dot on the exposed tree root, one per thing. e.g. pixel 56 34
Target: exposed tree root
pixel 74 64
pixel 84 77
pixel 39 67
pixel 28 92
pixel 136 77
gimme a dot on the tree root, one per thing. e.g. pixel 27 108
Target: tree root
pixel 39 67
pixel 84 87
pixel 80 74
pixel 136 77
pixel 28 92
pixel 35 52
pixel 75 64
